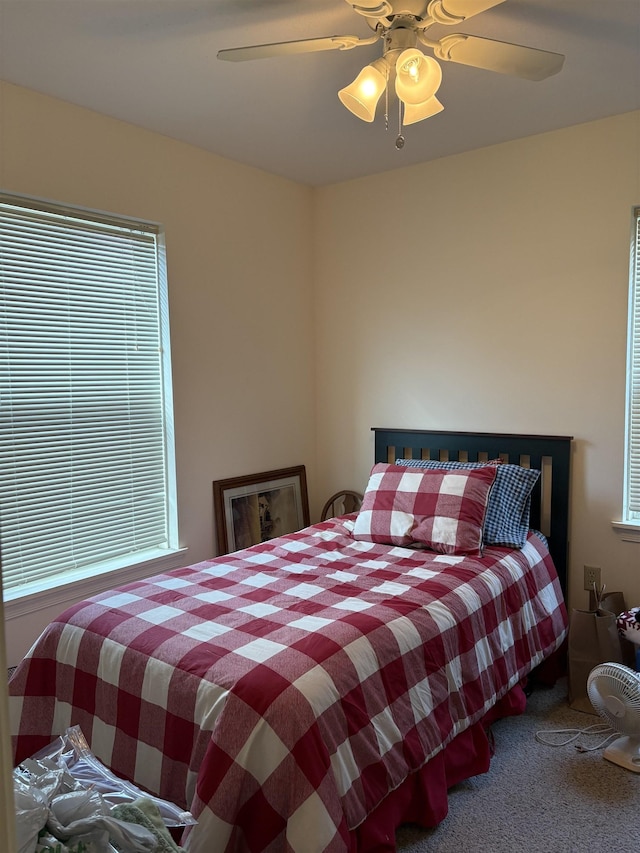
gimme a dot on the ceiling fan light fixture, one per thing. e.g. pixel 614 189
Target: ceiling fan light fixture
pixel 418 112
pixel 361 97
pixel 401 25
pixel 418 77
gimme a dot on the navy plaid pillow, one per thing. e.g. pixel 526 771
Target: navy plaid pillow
pixel 507 518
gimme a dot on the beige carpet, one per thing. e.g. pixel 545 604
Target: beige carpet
pixel 537 798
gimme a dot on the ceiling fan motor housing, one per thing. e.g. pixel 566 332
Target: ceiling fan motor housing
pixel 400 36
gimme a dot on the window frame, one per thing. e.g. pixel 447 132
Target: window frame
pixel 78 583
pixel 631 488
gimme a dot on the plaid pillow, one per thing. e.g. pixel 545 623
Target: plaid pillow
pixel 443 510
pixel 507 519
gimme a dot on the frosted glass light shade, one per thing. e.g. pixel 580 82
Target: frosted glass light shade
pixel 362 96
pixel 418 112
pixel 418 77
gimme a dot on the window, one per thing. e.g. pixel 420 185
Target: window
pixel 87 476
pixel 631 507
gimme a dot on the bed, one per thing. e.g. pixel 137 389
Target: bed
pixel 313 692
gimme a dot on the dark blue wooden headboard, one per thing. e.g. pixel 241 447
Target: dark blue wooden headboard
pixel 550 454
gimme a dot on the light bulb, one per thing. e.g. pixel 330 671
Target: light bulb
pixel 368 87
pixel 362 96
pixel 412 70
pixel 418 77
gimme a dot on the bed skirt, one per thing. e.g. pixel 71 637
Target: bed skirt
pixel 423 797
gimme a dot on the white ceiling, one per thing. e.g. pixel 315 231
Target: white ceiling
pixel 153 63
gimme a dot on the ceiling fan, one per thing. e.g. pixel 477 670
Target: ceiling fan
pixel 401 25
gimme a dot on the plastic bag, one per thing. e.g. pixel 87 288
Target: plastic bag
pixel 71 752
pixel 76 805
pixel 32 810
pixel 57 812
pixel 74 814
pixel 95 842
pixel 127 837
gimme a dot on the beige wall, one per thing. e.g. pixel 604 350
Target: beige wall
pixel 239 266
pixel 487 291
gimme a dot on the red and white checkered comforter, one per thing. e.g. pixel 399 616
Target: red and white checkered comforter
pixel 281 692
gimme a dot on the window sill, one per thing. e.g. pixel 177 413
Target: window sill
pixel 627 531
pixel 84 587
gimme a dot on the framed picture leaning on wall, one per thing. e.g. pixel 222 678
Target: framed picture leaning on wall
pixel 258 507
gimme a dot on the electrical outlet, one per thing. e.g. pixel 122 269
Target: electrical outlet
pixel 591 576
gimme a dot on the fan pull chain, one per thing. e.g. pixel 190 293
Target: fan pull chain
pixel 400 138
pixel 386 104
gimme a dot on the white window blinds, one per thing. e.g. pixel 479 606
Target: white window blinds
pixel 86 458
pixel 632 467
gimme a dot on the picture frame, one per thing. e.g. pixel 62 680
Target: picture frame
pixel 258 507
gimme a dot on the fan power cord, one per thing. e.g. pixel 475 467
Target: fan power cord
pixel 570 735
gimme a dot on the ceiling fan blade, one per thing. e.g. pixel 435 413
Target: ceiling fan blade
pixel 500 56
pixel 371 8
pixel 285 48
pixel 467 8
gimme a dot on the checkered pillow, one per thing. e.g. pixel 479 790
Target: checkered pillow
pixel 443 510
pixel 507 519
